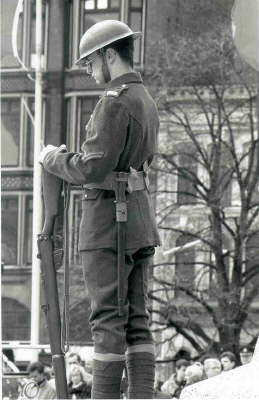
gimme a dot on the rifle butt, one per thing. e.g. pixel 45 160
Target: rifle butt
pixel 58 362
pixel 52 310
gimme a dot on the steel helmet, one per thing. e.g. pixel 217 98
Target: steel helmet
pixel 101 34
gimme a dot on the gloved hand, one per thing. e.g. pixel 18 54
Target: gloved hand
pixel 47 149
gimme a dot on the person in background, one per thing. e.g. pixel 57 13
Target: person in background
pixel 49 373
pixel 38 387
pixel 77 386
pixel 193 373
pixel 246 355
pixel 88 365
pixel 74 359
pixel 228 360
pixel 158 394
pixel 212 367
pixel 174 385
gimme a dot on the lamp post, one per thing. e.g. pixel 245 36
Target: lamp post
pixel 37 202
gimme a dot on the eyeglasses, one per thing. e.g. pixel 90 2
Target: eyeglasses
pixel 88 64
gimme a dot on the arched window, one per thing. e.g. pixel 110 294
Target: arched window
pixel 15 320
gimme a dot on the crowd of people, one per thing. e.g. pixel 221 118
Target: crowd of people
pixel 40 383
pixel 187 372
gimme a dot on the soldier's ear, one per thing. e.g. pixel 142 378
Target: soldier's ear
pixel 111 55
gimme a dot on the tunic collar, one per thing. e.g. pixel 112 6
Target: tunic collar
pixel 130 77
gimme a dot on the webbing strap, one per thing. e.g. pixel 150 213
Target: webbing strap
pixel 65 321
pixel 121 218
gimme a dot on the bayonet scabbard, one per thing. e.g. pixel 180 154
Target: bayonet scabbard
pixel 121 219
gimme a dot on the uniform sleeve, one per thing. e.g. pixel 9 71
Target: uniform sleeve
pixel 105 141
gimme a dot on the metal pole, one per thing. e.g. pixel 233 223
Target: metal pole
pixel 37 201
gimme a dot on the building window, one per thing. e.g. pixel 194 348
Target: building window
pixel 187 172
pixel 135 21
pixel 17 229
pixel 99 10
pixel 10 128
pixel 17 138
pixel 27 253
pixel 9 230
pixel 25 33
pixel 7 58
pixel 184 268
pixel 79 111
pixel 15 320
pixel 85 109
pixel 85 13
pixel 225 176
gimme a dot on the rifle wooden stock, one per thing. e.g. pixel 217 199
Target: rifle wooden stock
pixel 52 186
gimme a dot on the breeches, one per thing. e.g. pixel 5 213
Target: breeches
pixel 113 333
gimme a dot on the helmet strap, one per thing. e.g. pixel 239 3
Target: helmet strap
pixel 105 69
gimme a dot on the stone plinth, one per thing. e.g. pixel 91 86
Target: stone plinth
pixel 241 383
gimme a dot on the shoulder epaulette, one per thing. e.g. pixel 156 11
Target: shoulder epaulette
pixel 116 92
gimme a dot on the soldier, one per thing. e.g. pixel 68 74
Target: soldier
pixel 118 232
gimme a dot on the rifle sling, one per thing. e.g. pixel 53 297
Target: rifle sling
pixel 65 322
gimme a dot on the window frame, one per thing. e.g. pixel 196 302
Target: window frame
pixel 25 55
pixel 76 30
pixel 23 308
pixel 24 118
pixel 23 198
pixel 73 111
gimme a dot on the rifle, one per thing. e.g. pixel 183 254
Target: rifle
pixel 52 187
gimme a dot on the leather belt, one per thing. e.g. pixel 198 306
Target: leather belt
pixel 135 180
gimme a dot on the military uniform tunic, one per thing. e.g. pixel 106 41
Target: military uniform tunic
pixel 122 133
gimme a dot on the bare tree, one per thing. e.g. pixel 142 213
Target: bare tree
pixel 207 171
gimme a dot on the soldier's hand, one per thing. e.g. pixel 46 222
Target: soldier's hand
pixel 47 149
